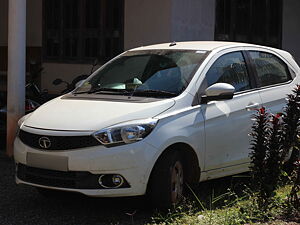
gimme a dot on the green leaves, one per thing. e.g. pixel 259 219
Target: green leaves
pixel 273 137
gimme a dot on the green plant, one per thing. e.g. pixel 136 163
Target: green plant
pixel 291 121
pixel 261 133
pixel 273 137
pixel 273 160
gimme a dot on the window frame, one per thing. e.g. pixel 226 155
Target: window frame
pixel 226 27
pixel 250 69
pixel 252 80
pixel 203 85
pixel 102 37
pixel 254 71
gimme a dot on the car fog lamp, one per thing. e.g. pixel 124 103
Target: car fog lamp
pixel 117 180
pixel 111 180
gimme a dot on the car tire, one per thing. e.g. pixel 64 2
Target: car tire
pixel 166 182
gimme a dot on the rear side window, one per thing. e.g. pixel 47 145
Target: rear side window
pixel 270 69
pixel 229 68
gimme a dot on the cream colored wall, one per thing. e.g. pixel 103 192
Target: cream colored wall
pixel 66 72
pixel 193 20
pixel 146 22
pixel 33 20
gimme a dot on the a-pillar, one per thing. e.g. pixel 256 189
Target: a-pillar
pixel 16 68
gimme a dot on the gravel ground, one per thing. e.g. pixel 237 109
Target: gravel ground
pixel 21 204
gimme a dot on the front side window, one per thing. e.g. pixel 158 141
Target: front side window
pixel 269 68
pixel 152 72
pixel 229 68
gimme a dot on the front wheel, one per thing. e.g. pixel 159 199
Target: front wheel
pixel 167 181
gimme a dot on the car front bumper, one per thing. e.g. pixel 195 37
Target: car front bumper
pixel 133 162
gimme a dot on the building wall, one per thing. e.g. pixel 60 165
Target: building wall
pixel 146 22
pixel 63 71
pixel 193 20
pixel 291 28
pixel 34 23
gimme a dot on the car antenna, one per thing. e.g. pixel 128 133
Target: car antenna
pixel 172 44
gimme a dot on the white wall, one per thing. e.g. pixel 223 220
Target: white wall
pixel 34 23
pixel 291 28
pixel 156 21
pixel 33 20
pixel 193 20
pixel 146 22
pixel 63 71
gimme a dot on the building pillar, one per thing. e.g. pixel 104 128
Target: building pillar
pixel 16 68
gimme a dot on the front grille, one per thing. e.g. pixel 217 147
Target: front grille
pixel 54 178
pixel 58 142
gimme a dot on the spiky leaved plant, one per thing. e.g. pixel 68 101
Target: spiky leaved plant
pixel 291 122
pixel 259 148
pixel 273 158
pixel 294 197
pixel 291 142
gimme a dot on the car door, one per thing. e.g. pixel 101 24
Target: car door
pixel 274 79
pixel 228 123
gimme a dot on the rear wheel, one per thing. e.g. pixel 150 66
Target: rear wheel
pixel 167 181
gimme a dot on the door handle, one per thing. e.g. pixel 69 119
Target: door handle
pixel 252 106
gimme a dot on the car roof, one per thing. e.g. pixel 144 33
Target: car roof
pixel 194 45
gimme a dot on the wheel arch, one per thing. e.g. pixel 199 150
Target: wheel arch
pixel 190 161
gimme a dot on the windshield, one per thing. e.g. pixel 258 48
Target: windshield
pixel 143 73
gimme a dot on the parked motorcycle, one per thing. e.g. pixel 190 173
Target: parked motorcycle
pixel 30 106
pixel 34 97
pixel 71 86
pixel 33 92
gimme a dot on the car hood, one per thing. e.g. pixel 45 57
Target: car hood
pixel 92 115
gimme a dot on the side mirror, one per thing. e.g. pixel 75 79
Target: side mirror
pixel 79 83
pixel 218 91
pixel 57 81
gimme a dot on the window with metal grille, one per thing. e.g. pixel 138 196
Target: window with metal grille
pixel 252 21
pixel 81 30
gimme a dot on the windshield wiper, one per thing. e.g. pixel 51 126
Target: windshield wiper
pixel 152 92
pixel 103 90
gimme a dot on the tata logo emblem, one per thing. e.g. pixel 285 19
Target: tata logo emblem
pixel 44 142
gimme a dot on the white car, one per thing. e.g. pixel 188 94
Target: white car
pixel 154 118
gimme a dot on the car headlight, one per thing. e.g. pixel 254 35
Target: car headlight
pixel 125 133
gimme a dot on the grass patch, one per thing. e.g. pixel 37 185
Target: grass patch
pixel 228 208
